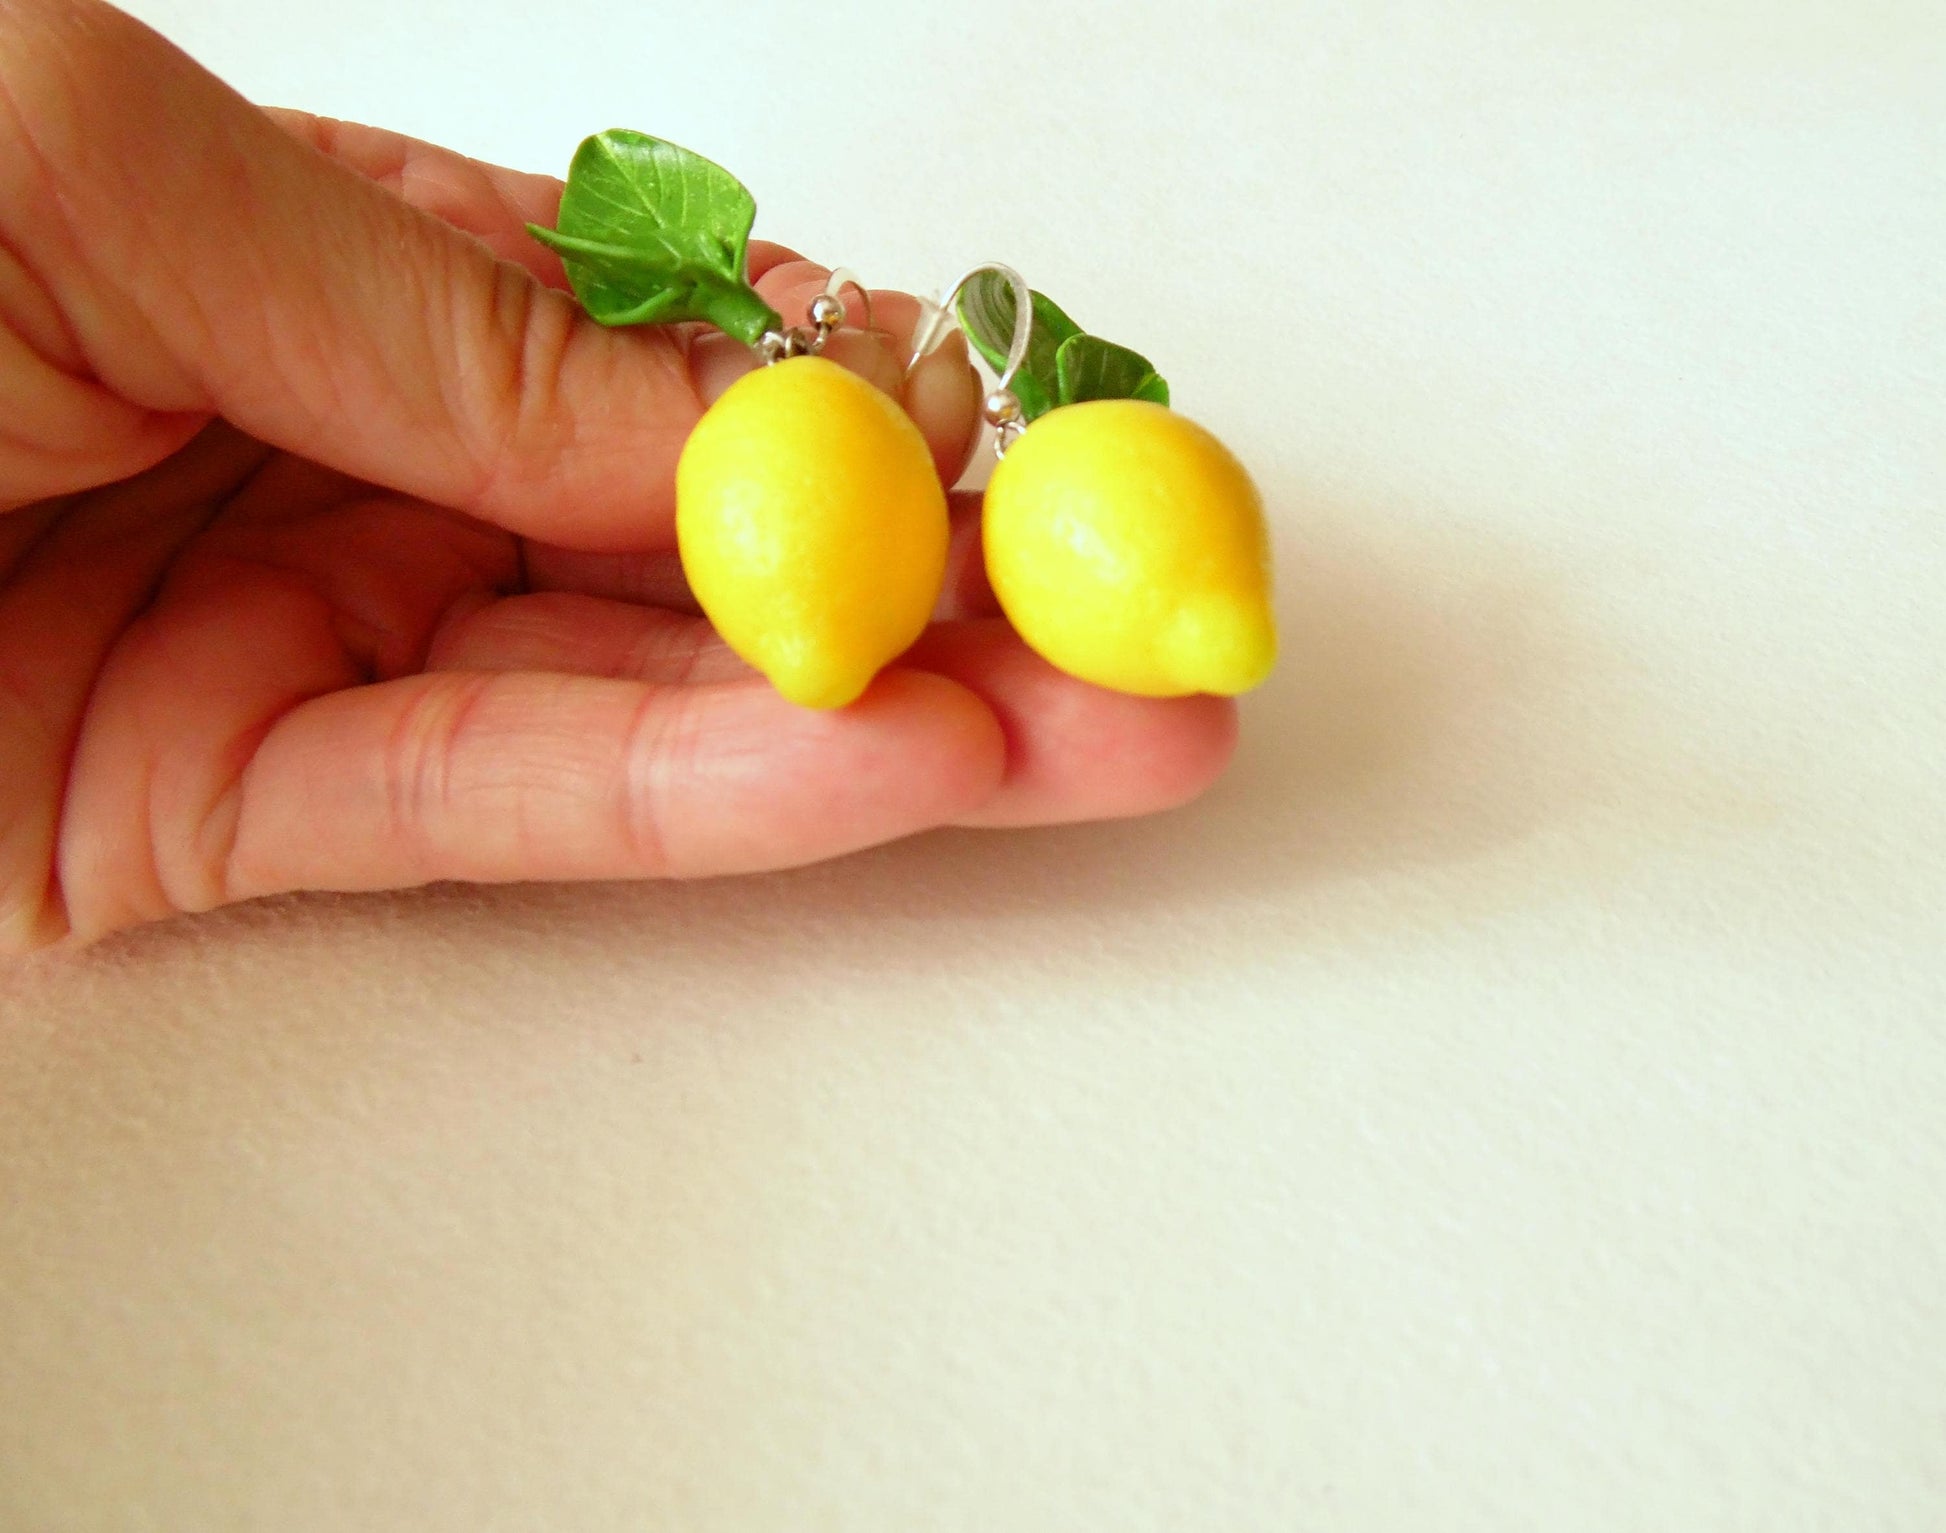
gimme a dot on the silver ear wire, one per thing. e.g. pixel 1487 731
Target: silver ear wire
pixel 827 314
pixel 1002 407
pixel 842 277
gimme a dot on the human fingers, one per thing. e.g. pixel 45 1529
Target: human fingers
pixel 495 204
pixel 967 592
pixel 584 635
pixel 491 202
pixel 235 746
pixel 231 269
pixel 236 270
pixel 1077 751
pixel 1074 751
pixel 524 775
pixel 66 596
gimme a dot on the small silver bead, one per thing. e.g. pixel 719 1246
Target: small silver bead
pixel 1002 408
pixel 826 312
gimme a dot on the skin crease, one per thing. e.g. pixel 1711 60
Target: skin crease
pixel 336 545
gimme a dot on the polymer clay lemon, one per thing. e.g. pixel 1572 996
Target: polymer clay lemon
pixel 812 527
pixel 1127 547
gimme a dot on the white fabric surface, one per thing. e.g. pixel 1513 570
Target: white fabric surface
pixel 1515 1098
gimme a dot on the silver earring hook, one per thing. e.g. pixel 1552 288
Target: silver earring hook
pixel 1002 408
pixel 841 278
pixel 1023 318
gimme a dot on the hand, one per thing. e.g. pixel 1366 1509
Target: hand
pixel 336 545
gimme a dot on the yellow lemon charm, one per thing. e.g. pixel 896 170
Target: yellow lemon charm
pixel 1128 547
pixel 812 527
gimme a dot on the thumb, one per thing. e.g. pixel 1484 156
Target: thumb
pixel 204 261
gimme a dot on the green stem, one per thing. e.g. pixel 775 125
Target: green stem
pixel 736 309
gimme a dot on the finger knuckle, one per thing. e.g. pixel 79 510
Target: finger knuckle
pixel 514 341
pixel 427 739
pixel 659 748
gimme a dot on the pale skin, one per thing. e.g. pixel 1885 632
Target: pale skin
pixel 337 546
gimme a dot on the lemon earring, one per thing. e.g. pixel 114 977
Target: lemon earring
pixel 1124 542
pixel 809 519
pixel 810 522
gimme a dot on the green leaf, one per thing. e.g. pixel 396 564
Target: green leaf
pixel 986 314
pixel 1087 367
pixel 651 232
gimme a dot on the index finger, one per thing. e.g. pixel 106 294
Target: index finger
pixel 493 203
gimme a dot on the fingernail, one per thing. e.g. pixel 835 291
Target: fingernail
pixel 868 353
pixel 942 395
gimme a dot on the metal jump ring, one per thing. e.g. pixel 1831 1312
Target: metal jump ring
pixel 827 315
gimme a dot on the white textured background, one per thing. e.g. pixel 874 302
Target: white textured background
pixel 1516 1098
